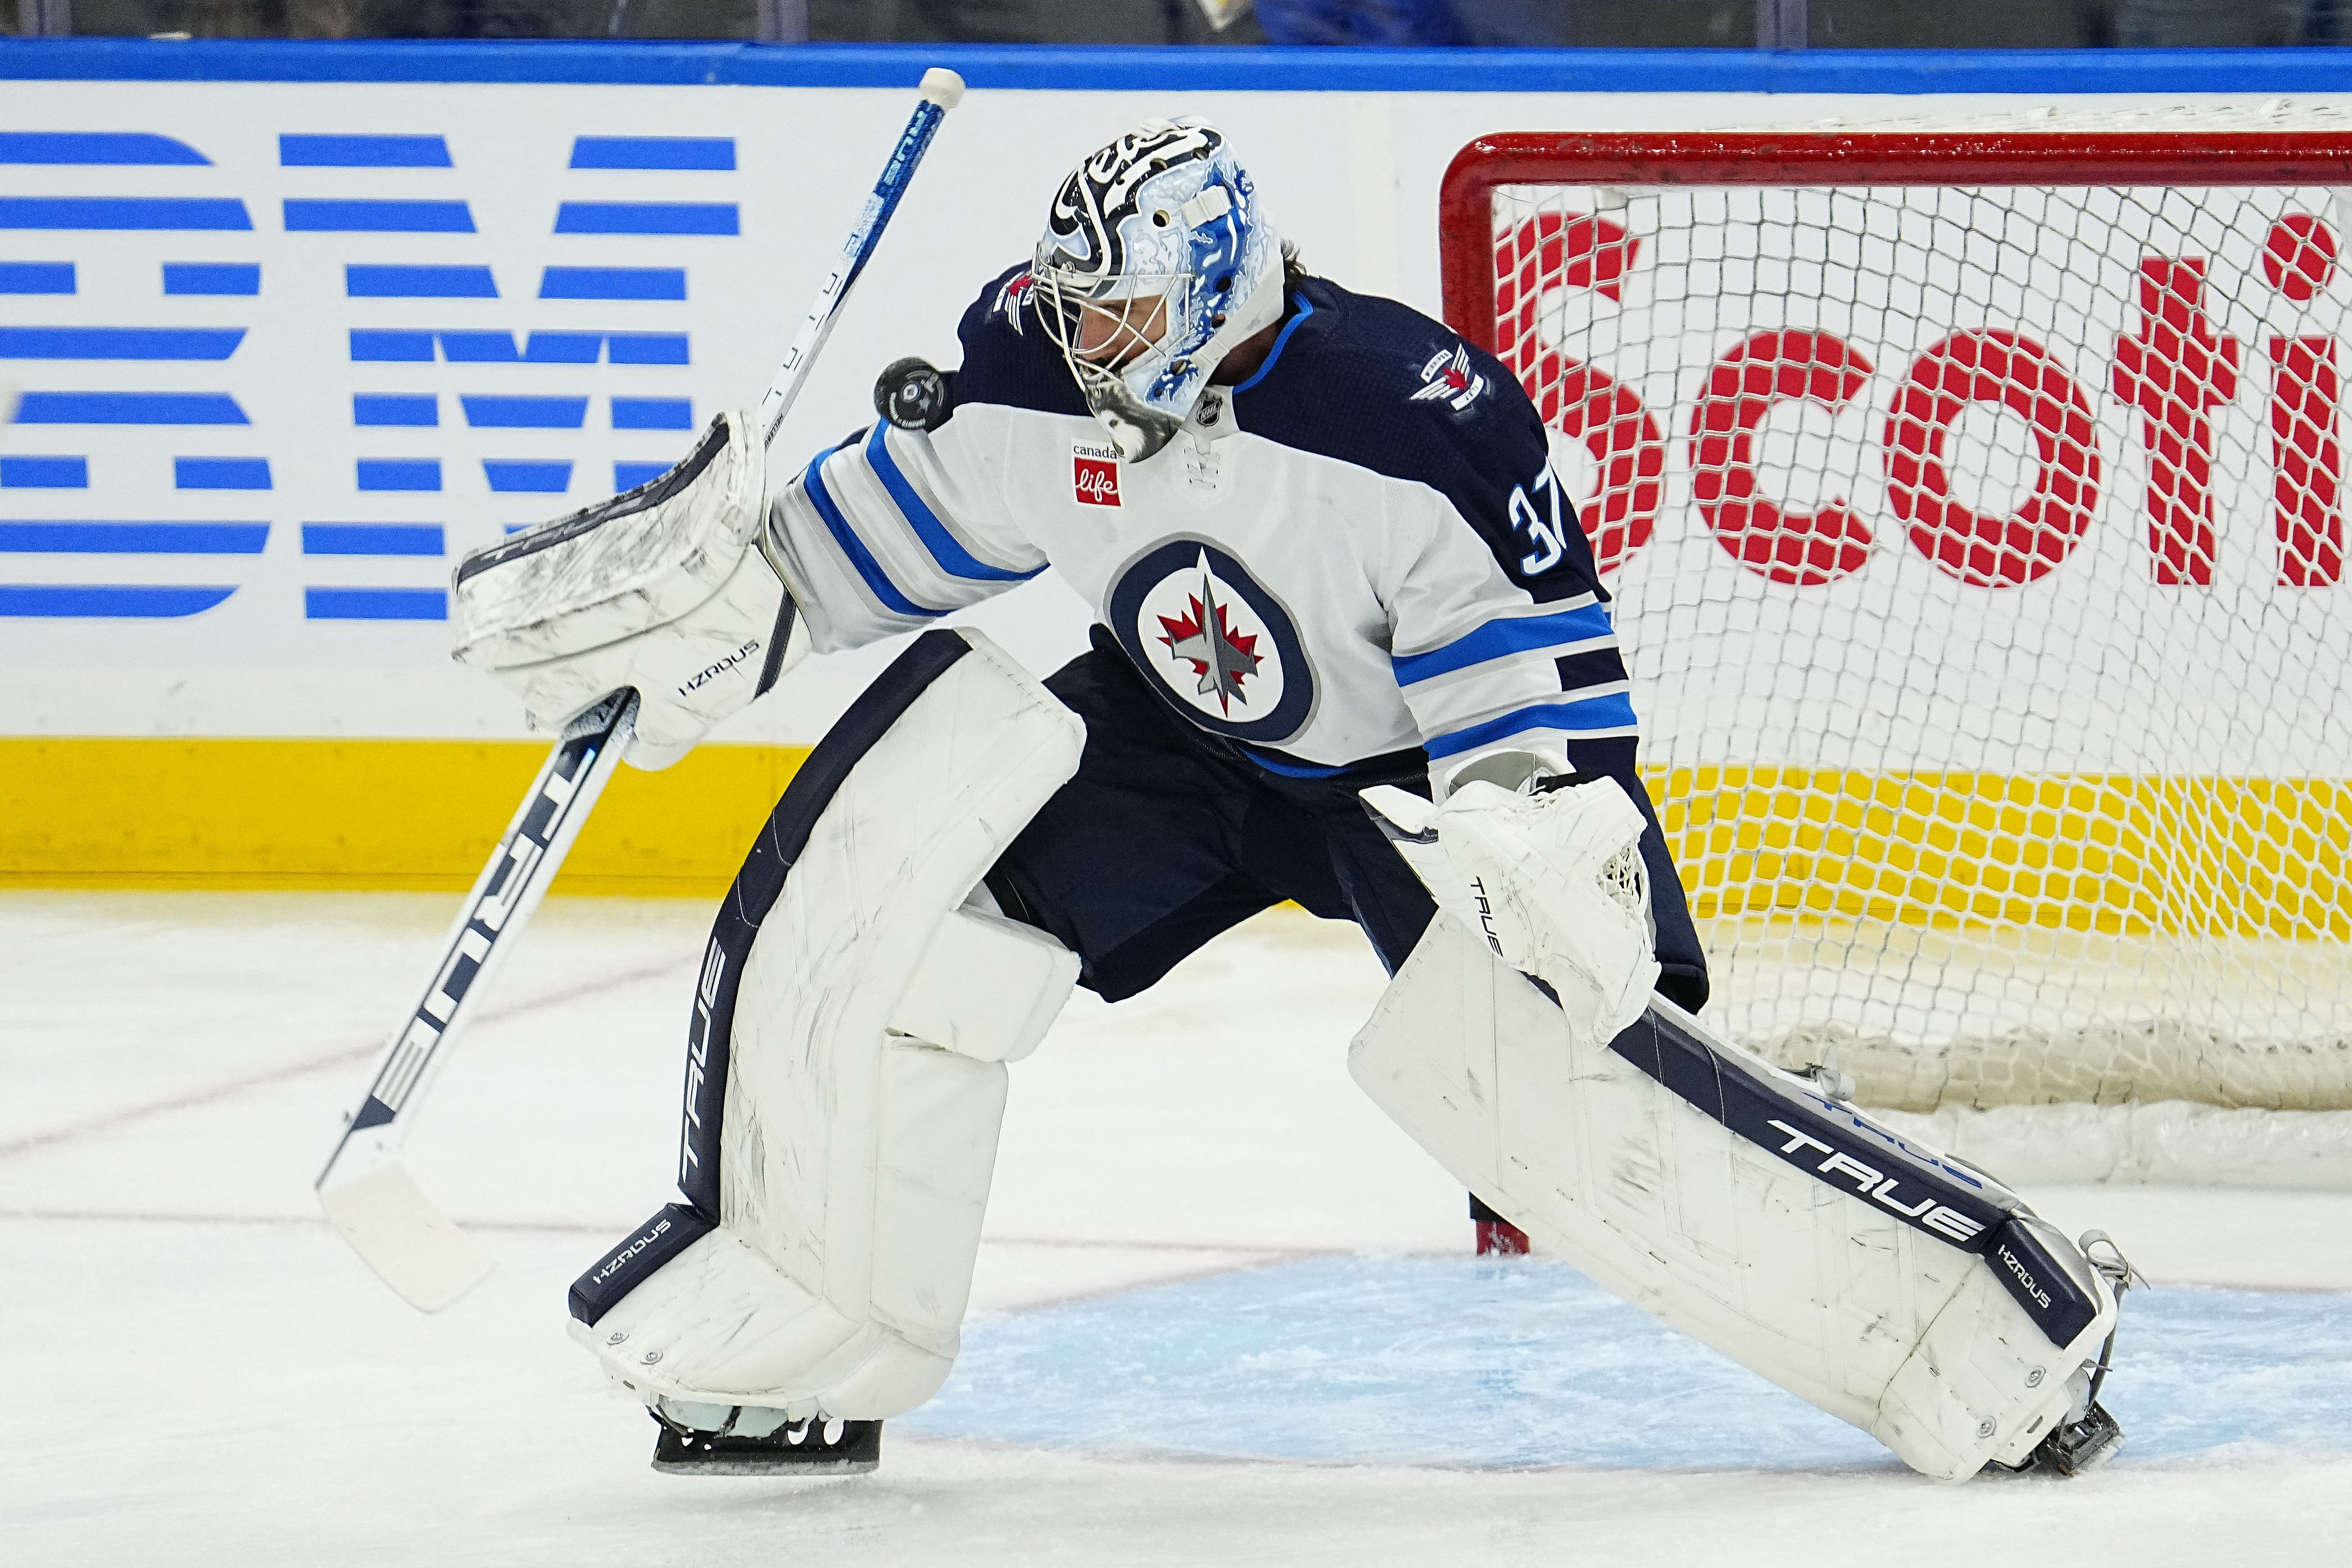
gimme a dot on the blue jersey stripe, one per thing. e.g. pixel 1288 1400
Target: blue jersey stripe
pixel 1614 712
pixel 1290 769
pixel 1281 339
pixel 953 557
pixel 1495 639
pixel 854 547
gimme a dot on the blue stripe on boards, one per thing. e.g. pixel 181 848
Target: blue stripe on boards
pixel 309 215
pixel 30 473
pixel 190 212
pixel 372 539
pixel 212 277
pixel 629 476
pixel 1614 712
pixel 369 281
pixel 401 409
pixel 103 601
pixel 1028 66
pixel 133 538
pixel 221 473
pixel 1499 638
pixel 129 408
pixel 953 557
pixel 508 476
pixel 36 276
pixel 363 152
pixel 525 413
pixel 813 481
pixel 647 348
pixel 377 345
pixel 612 283
pixel 95 147
pixel 653 153
pixel 119 342
pixel 400 473
pixel 375 603
pixel 653 413
pixel 646 218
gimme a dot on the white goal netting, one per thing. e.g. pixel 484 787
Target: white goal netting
pixel 1980 555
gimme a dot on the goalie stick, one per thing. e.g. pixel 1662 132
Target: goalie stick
pixel 365 1187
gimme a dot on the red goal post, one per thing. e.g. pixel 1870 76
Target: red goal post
pixel 1974 506
pixel 1790 159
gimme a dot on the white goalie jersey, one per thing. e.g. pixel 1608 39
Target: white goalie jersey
pixel 1358 550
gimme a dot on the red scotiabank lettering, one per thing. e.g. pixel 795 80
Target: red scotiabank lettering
pixel 2018 374
pixel 1095 482
pixel 2175 372
pixel 1787 546
pixel 2306 461
pixel 2306 400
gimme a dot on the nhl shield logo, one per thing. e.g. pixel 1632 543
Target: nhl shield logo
pixel 1215 643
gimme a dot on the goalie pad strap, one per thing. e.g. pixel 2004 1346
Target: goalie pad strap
pixel 1844 1149
pixel 653 1244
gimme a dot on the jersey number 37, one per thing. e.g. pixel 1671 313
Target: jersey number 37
pixel 1544 526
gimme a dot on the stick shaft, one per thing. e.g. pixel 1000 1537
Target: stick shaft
pixel 488 924
pixel 864 236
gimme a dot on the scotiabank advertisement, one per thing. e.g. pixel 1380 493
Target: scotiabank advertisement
pixel 2010 479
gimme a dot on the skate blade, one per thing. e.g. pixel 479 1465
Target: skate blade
pixel 762 1464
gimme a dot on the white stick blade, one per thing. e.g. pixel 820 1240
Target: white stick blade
pixel 400 1234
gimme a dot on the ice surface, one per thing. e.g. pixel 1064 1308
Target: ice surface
pixel 193 1369
pixel 1503 1363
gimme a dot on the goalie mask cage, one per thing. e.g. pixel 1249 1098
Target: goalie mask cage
pixel 1973 505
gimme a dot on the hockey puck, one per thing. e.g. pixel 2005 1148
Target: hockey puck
pixel 913 394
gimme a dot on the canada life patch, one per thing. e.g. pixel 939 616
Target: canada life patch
pixel 1214 641
pixel 1094 473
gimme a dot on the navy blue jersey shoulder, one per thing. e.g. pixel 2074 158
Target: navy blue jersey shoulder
pixel 1379 384
pixel 1008 357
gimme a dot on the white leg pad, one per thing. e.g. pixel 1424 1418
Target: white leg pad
pixel 1807 1262
pixel 845 1139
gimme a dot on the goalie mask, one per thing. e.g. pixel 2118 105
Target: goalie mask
pixel 1154 265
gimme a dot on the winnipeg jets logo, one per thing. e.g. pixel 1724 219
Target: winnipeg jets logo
pixel 1012 296
pixel 1448 378
pixel 1219 646
pixel 1205 637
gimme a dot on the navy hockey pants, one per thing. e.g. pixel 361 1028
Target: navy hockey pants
pixel 1168 835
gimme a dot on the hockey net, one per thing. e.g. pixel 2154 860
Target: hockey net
pixel 1972 503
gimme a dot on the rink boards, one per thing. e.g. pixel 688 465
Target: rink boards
pixel 288 348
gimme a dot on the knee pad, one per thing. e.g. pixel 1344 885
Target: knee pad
pixel 846 1075
pixel 1876 1279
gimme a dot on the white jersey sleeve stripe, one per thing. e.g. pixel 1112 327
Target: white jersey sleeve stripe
pixel 946 549
pixel 877 582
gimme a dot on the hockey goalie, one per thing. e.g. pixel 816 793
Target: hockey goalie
pixel 1350 650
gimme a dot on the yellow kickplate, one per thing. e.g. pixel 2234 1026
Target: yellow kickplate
pixel 208 813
